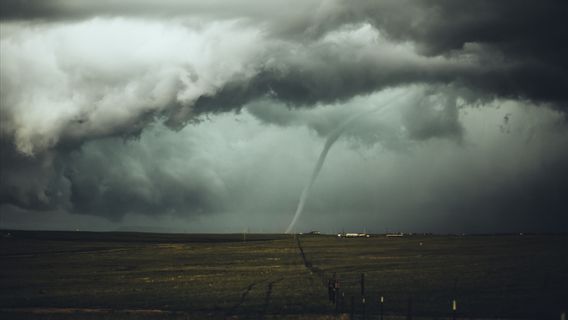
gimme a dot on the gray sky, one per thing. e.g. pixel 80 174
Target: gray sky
pixel 210 116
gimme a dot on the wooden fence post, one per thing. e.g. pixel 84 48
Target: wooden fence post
pixel 337 301
pixel 336 288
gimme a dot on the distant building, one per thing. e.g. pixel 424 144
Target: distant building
pixel 314 232
pixel 395 234
pixel 352 235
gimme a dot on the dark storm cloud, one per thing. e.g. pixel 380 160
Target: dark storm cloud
pixel 111 177
pixel 427 112
pixel 501 48
pixel 496 49
pixel 140 181
pixel 79 76
pixel 518 48
pixel 482 185
pixel 523 42
pixel 536 200
pixel 435 114
pixel 251 173
pixel 31 182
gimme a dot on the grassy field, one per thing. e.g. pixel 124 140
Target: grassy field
pixel 68 275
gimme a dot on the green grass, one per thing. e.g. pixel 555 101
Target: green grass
pixel 214 276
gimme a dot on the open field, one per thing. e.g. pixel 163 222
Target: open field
pixel 68 275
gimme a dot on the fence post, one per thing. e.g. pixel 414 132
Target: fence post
pixel 336 288
pixel 362 284
pixel 409 315
pixel 352 307
pixel 337 300
pixel 381 303
pixel 329 290
pixel 363 306
pixel 454 309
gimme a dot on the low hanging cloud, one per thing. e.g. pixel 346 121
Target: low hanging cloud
pixel 83 82
pixel 60 87
pixel 111 75
pixel 251 173
pixel 104 78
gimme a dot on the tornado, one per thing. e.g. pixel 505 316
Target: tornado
pixel 330 141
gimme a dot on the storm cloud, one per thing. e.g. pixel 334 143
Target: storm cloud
pixel 140 108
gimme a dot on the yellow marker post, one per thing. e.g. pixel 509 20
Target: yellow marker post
pixel 454 309
pixel 381 301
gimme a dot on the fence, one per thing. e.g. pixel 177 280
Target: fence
pixel 375 305
pixel 349 294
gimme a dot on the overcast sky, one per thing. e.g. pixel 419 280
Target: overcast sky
pixel 210 116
